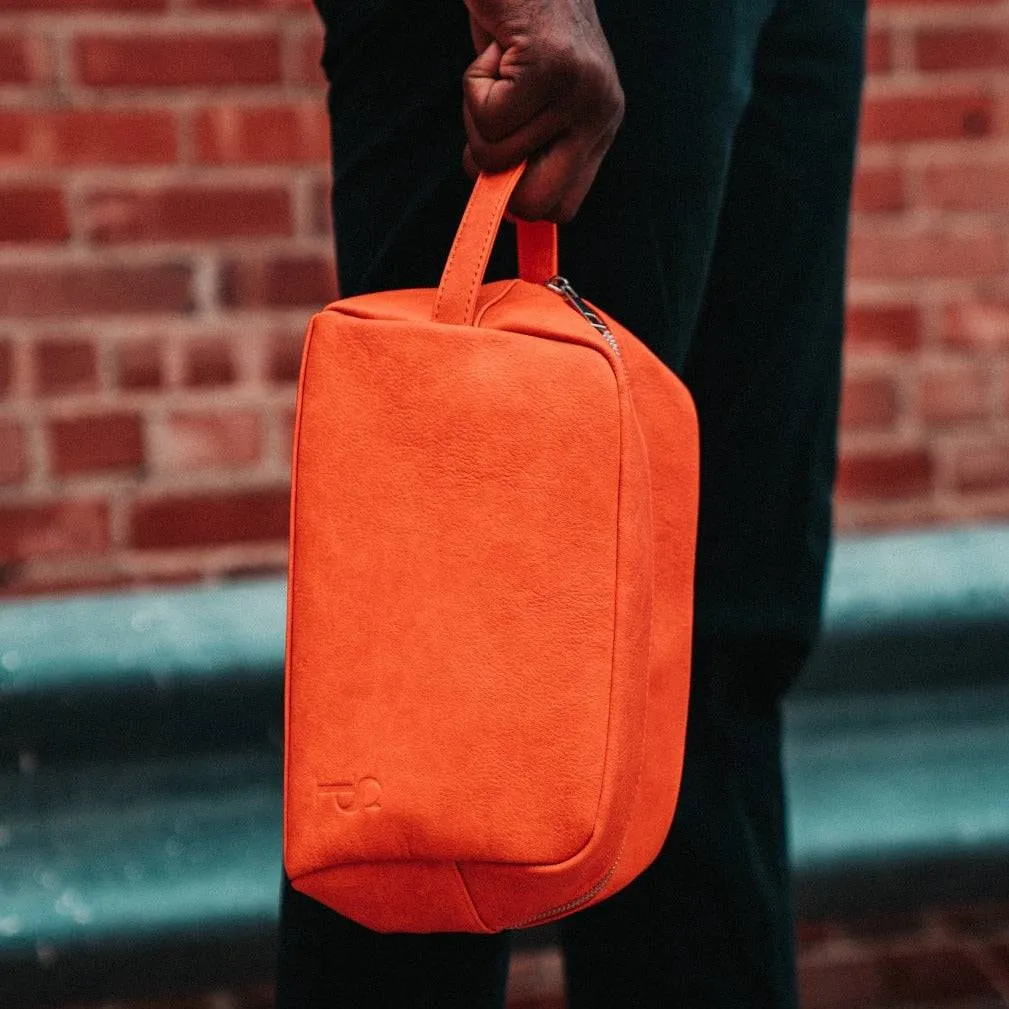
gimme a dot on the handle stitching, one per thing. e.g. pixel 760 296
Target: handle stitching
pixel 489 234
pixel 488 239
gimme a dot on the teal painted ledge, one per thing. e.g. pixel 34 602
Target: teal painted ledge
pixel 163 635
pixel 942 574
pixel 169 635
pixel 903 777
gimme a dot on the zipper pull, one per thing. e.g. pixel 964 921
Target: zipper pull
pixel 562 286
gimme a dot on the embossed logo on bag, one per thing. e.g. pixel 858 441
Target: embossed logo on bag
pixel 353 797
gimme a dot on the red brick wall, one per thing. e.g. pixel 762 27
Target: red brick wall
pixel 163 238
pixel 925 429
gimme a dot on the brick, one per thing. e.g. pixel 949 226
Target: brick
pixel 24 59
pixel 954 395
pixel 229 134
pixel 960 186
pixel 80 137
pixel 911 254
pixel 813 933
pixel 884 474
pixel 977 325
pixel 283 362
pixel 33 214
pixel 83 289
pixel 88 444
pixel 188 212
pixel 6 367
pixel 294 6
pixel 975 48
pixel 878 53
pixel 920 976
pixel 279 282
pixel 837 983
pixel 80 6
pixel 888 328
pixel 147 60
pixel 933 3
pixel 251 516
pixel 982 466
pixel 138 365
pixel 868 401
pixel 28 531
pixel 209 362
pixel 308 67
pixel 261 996
pixel 12 452
pixel 935 115
pixel 14 60
pixel 196 440
pixel 983 920
pixel 878 189
pixel 883 926
pixel 62 366
pixel 15 136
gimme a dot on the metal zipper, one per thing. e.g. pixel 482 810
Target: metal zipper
pixel 562 286
pixel 559 285
pixel 571 905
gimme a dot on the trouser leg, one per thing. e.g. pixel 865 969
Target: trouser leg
pixel 764 359
pixel 708 925
pixel 328 962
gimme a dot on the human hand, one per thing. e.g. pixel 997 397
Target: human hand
pixel 543 88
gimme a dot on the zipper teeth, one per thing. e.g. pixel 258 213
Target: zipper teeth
pixel 571 904
pixel 562 286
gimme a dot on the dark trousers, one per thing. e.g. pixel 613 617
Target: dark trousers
pixel 716 232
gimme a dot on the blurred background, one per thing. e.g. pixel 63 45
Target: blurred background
pixel 164 236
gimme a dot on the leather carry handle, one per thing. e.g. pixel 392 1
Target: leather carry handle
pixel 467 261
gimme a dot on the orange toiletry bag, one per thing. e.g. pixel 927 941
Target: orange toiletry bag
pixel 493 517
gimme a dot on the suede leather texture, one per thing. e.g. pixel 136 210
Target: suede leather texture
pixel 490 598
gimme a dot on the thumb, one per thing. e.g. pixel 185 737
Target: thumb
pixel 483 73
pixel 497 104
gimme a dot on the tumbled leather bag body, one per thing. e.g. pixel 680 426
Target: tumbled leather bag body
pixel 493 516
